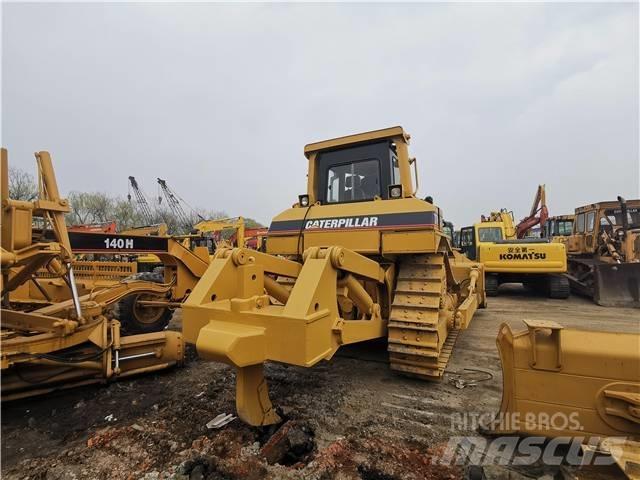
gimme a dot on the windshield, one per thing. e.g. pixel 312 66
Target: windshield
pixel 353 181
pixel 489 234
pixel 615 217
pixel 564 227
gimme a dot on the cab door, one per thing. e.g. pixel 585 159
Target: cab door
pixel 575 242
pixel 468 242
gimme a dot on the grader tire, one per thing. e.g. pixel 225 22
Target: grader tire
pixel 491 285
pixel 136 319
pixel 558 286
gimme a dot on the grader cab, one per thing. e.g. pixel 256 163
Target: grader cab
pixel 358 257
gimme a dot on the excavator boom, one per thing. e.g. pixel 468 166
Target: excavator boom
pixel 538 214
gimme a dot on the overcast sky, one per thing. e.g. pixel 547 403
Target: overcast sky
pixel 219 100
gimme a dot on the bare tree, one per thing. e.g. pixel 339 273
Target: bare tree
pixel 89 208
pixel 22 185
pixel 126 215
pixel 96 207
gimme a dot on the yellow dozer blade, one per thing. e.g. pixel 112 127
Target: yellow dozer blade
pixel 617 284
pixel 567 382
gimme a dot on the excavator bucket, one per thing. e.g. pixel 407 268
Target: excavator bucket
pixel 617 284
pixel 566 382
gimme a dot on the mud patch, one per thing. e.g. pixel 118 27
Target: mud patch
pixel 292 444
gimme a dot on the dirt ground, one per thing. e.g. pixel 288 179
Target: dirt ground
pixel 358 419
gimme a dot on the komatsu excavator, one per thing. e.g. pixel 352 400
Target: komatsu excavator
pixel 358 257
pixel 509 257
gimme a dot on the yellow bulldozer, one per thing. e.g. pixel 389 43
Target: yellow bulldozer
pixel 604 253
pixel 58 343
pixel 358 257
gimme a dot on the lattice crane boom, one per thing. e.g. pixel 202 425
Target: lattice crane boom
pixel 141 201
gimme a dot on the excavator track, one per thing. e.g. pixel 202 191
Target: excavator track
pixel 419 341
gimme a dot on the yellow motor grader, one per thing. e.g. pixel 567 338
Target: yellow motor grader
pixel 604 253
pixel 182 265
pixel 60 344
pixel 358 257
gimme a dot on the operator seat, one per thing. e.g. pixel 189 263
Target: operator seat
pixel 369 187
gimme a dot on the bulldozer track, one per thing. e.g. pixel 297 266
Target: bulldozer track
pixel 418 341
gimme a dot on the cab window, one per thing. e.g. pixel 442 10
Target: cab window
pixel 565 228
pixel 466 237
pixel 591 221
pixel 353 181
pixel 633 216
pixel 447 229
pixel 395 171
pixel 580 223
pixel 490 234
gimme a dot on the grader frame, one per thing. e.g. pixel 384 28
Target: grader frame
pixel 74 342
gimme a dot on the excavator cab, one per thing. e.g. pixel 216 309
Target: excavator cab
pixel 467 242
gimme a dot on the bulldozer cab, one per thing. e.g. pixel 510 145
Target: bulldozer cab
pixel 363 167
pixel 604 218
pixel 558 227
pixel 361 194
pixel 585 230
pixel 357 174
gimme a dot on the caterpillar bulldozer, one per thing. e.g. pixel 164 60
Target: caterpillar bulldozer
pixel 509 256
pixel 63 343
pixel 604 253
pixel 357 257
